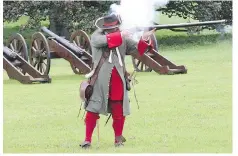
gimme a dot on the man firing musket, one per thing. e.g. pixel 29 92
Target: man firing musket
pixel 106 90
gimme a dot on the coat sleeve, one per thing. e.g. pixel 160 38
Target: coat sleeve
pixel 112 40
pixel 137 47
pixel 98 39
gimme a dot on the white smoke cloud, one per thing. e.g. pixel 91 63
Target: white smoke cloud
pixel 137 13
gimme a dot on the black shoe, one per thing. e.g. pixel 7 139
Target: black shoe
pixel 119 141
pixel 119 144
pixel 123 139
pixel 85 145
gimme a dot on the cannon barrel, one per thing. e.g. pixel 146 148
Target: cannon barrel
pixel 9 53
pixel 64 42
pixel 182 25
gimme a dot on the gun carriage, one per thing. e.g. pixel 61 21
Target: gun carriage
pixel 43 49
pixel 15 62
pixel 162 64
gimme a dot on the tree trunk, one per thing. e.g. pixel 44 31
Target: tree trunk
pixel 58 27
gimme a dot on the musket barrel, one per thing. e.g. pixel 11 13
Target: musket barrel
pixel 182 25
pixel 63 41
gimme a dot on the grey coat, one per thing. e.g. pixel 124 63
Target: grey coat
pixel 98 102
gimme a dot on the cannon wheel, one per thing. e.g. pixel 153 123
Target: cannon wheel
pixel 40 53
pixel 18 45
pixel 138 65
pixel 82 40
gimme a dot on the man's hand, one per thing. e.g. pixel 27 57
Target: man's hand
pixel 147 34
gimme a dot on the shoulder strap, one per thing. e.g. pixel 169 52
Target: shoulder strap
pixel 104 56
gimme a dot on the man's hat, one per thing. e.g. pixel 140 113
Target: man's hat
pixel 108 22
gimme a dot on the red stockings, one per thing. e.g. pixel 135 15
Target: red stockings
pixel 90 122
pixel 117 116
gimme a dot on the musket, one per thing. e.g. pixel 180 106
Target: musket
pixel 182 25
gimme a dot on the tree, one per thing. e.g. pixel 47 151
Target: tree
pixel 64 16
pixel 199 10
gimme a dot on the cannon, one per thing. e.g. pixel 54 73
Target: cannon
pixel 140 66
pixel 15 63
pixel 43 49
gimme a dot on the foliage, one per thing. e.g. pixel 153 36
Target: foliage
pixel 199 10
pixel 67 14
pixel 13 10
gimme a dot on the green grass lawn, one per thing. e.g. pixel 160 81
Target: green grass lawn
pixel 178 113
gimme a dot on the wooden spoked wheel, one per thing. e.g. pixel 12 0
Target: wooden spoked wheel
pixel 138 65
pixel 18 45
pixel 82 40
pixel 40 53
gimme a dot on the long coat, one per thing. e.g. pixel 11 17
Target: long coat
pixel 98 102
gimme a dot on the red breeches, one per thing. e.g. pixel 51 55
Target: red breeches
pixel 116 86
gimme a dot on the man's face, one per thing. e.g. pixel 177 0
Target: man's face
pixel 112 30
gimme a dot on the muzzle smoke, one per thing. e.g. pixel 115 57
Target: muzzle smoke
pixel 137 13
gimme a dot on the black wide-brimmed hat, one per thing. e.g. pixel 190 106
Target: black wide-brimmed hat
pixel 108 22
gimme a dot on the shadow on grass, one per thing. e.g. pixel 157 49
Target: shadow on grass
pixel 54 78
pixel 10 81
pixel 16 82
pixel 73 77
